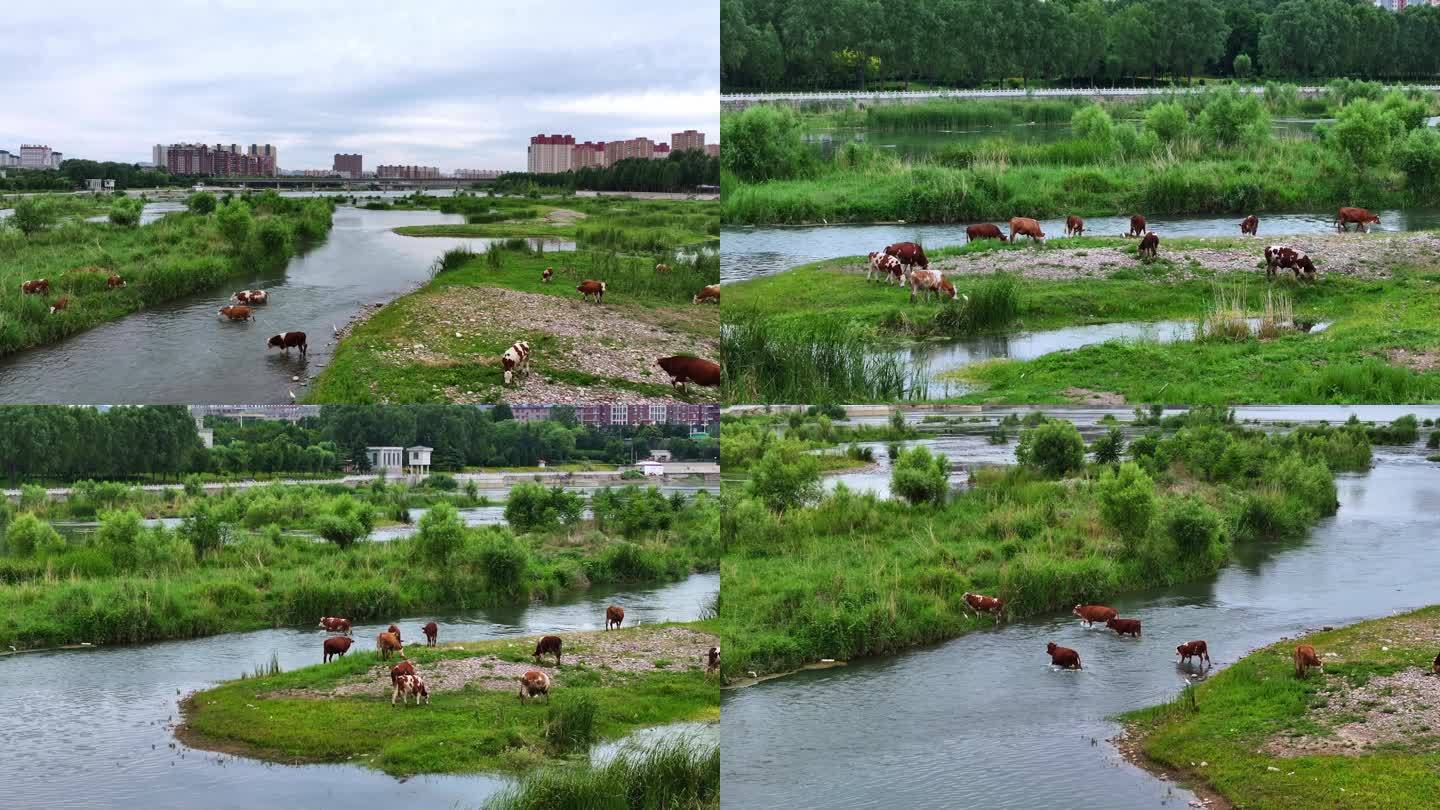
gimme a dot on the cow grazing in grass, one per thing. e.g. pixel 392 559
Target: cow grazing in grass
pixel 1137 226
pixel 515 360
pixel 545 276
pixel 252 296
pixel 684 370
pixel 407 685
pixel 1193 649
pixel 335 624
pixel 712 661
pixel 285 340
pixel 985 604
pixel 1063 656
pixel 910 254
pixel 1250 226
pixel 533 684
pixel 402 668
pixel 710 293
pixel 1285 257
pixel 114 281
pixel 1149 246
pixel 1074 226
pixel 1359 216
pixel 662 268
pixel 927 282
pixel 1305 658
pixel 235 312
pixel 39 286
pixel 387 643
pixel 548 644
pixel 1435 665
pixel 1125 627
pixel 336 647
pixel 614 615
pixel 883 266
pixel 1025 226
pixel 61 303
pixel 432 632
pixel 984 230
pixel 589 288
pixel 1090 614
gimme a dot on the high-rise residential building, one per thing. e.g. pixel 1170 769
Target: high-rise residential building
pixel 8 160
pixel 269 158
pixel 219 160
pixel 689 139
pixel 35 156
pixel 661 151
pixel 550 153
pixel 407 172
pixel 616 151
pixel 159 155
pixel 713 149
pixel 349 165
pixel 588 155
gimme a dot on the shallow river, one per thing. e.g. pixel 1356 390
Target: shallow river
pixel 91 729
pixel 181 352
pixel 996 726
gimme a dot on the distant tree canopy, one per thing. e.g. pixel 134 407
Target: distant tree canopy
pixel 682 171
pixel 770 44
pixel 59 442
pixel 73 173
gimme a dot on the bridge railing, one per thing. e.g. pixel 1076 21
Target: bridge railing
pixel 1051 92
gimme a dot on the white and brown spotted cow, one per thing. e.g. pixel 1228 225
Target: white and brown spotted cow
pixel 407 685
pixel 1289 258
pixel 710 293
pixel 884 267
pixel 533 684
pixel 930 281
pixel 712 661
pixel 515 360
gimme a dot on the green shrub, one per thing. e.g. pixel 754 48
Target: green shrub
pixel 201 202
pixel 202 529
pixel 533 507
pixel 1109 448
pixel 1193 526
pixel 441 533
pixel 1167 120
pixel 26 534
pixel 1054 448
pixel 1127 500
pixel 126 212
pixel 919 477
pixel 570 722
pixel 763 142
pixel 785 478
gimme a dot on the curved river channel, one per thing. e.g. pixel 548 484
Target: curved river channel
pixel 984 721
pixel 92 728
pixel 180 351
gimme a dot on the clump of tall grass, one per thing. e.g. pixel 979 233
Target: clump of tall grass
pixel 958 114
pixel 992 304
pixel 765 362
pixel 1228 318
pixel 676 773
pixel 570 723
pixel 453 259
pixel 265 670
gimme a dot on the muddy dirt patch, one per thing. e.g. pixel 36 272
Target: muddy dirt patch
pixel 1085 396
pixel 1403 708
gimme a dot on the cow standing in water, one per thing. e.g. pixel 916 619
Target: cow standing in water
pixel 1250 226
pixel 285 340
pixel 614 615
pixel 1193 649
pixel 1063 656
pixel 1359 216
pixel 335 624
pixel 1090 614
pixel 235 312
pixel 985 604
pixel 1125 627
pixel 1137 226
pixel 1074 226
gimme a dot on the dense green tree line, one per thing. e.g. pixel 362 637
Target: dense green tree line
pixel 775 44
pixel 682 171
pixel 73 173
pixel 60 442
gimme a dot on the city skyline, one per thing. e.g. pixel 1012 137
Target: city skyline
pixel 416 89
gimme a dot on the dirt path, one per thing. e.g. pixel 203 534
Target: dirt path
pixel 605 341
pixel 1355 254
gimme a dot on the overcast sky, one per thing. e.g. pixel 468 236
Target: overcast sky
pixel 435 82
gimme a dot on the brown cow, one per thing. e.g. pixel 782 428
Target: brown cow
pixel 712 660
pixel 590 287
pixel 114 281
pixel 235 312
pixel 1305 658
pixel 1090 614
pixel 545 276
pixel 1137 226
pixel 336 647
pixel 402 668
pixel 983 231
pixel 1359 216
pixel 1074 226
pixel 1250 226
pixel 1149 245
pixel 1063 656
pixel 395 631
pixel 710 293
pixel 432 632
pixel 1192 649
pixel 985 604
pixel 690 369
pixel 60 303
pixel 39 286
pixel 407 685
pixel 534 684
pixel 548 644
pixel 1124 627
pixel 614 615
pixel 925 282
pixel 662 268
pixel 910 254
pixel 1025 226
pixel 285 340
pixel 335 624
pixel 386 643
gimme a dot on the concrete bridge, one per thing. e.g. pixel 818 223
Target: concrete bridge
pixel 342 184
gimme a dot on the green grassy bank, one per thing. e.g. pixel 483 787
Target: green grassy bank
pixel 846 575
pixel 296 717
pixel 1358 736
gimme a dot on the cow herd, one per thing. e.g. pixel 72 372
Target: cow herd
pixel 244 310
pixel 405 682
pixel 905 264
pixel 41 286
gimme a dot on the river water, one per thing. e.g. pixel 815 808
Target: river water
pixel 181 352
pixel 991 724
pixel 91 728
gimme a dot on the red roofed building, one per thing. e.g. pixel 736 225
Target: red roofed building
pixel 550 153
